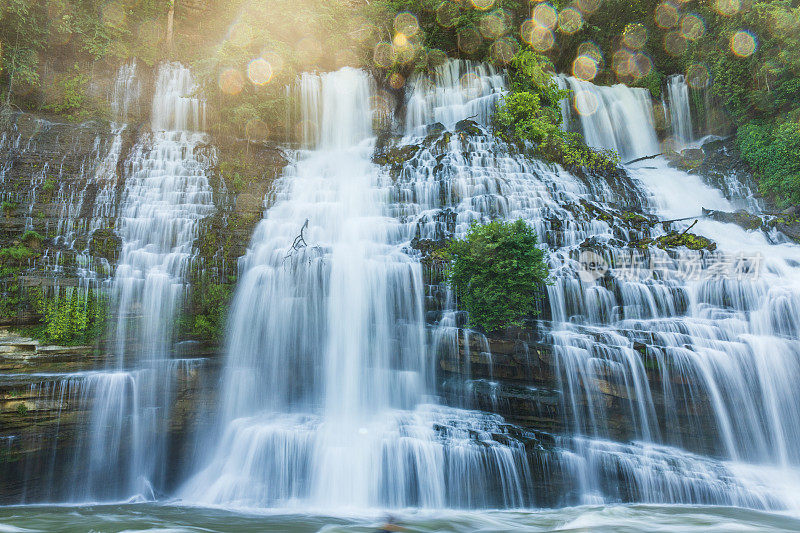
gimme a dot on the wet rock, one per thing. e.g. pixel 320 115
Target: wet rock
pixel 435 129
pixel 722 167
pixel 741 218
pixel 691 241
pixel 470 127
pixel 786 223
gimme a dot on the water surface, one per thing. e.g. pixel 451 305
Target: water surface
pixel 596 519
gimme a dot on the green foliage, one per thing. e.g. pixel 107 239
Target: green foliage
pixel 653 82
pixel 237 174
pixel 32 239
pixel 498 272
pixel 455 29
pixel 69 92
pixel 12 258
pixel 774 152
pixel 208 311
pixel 8 207
pixel 22 409
pixel 32 32
pixel 531 112
pixel 23 33
pixel 72 316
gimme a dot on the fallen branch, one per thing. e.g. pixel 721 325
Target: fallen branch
pixel 677 220
pixel 687 229
pixel 299 243
pixel 642 159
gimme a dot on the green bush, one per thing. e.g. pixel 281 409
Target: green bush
pixel 8 207
pixel 69 94
pixel 774 153
pixel 208 310
pixel 32 239
pixel 498 271
pixel 73 316
pixel 531 111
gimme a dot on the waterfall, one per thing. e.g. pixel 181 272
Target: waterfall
pixel 327 376
pixel 726 345
pixel 455 94
pixel 166 194
pixel 618 117
pixel 679 111
pixel 349 378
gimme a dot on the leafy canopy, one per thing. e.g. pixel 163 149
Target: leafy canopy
pixel 497 271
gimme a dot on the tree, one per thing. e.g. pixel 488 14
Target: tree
pixel 498 272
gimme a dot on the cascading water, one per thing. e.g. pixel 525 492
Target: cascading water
pixel 326 369
pixel 661 378
pixel 722 339
pixel 618 118
pixel 166 195
pixel 126 437
pixel 679 111
pixel 453 96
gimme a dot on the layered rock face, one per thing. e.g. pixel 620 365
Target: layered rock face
pixel 61 186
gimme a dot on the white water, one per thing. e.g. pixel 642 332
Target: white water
pixel 166 194
pixel 672 390
pixel 618 118
pixel 326 369
pixel 724 340
pixel 322 405
pixel 679 111
pixel 453 95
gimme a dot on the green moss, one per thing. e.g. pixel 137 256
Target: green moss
pixel 105 243
pixel 206 314
pixel 635 219
pixel 397 155
pixel 691 241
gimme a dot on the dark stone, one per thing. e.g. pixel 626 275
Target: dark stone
pixel 741 218
pixel 470 127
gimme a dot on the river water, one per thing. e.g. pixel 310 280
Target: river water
pixel 597 519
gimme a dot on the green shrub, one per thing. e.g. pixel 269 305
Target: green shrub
pixel 32 239
pixel 8 207
pixel 70 92
pixel 73 316
pixel 531 112
pixel 13 258
pixel 208 309
pixel 498 272
pixel 773 151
